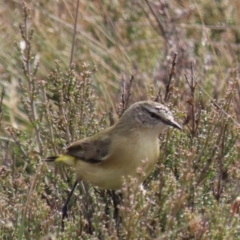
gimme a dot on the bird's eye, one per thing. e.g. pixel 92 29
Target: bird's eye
pixel 153 115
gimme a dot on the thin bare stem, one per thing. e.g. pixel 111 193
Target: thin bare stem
pixel 74 34
pixel 47 118
pixel 63 113
pixel 126 94
pixel 171 74
pixel 160 26
pixel 1 104
pixel 111 119
pixel 192 87
pixel 129 93
pixel 191 101
pixel 31 91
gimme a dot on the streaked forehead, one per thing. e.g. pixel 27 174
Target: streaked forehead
pixel 160 107
pixel 163 110
pixel 155 105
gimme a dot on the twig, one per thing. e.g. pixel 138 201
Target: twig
pixel 31 91
pixel 111 119
pixel 129 93
pixel 160 26
pixel 48 115
pixel 1 104
pixel 219 190
pixel 126 94
pixel 191 101
pixel 171 73
pixel 74 34
pixel 64 117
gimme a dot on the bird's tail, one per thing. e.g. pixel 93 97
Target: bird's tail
pixel 65 158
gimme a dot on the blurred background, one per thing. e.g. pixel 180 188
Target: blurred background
pixel 66 72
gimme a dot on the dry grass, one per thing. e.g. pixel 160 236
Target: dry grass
pixel 182 53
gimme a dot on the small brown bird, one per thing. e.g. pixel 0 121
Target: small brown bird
pixel 120 150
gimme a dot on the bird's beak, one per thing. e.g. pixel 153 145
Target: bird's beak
pixel 175 125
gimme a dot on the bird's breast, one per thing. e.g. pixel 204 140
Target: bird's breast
pixel 133 155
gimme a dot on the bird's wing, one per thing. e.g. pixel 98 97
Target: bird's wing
pixel 90 150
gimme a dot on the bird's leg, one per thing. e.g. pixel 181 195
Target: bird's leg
pixel 117 200
pixel 64 208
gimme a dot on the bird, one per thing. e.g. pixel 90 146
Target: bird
pixel 130 145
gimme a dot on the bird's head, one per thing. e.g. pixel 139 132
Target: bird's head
pixel 149 114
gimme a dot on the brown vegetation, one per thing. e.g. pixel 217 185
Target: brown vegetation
pixel 64 78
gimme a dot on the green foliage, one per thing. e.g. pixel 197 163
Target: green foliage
pixel 48 103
